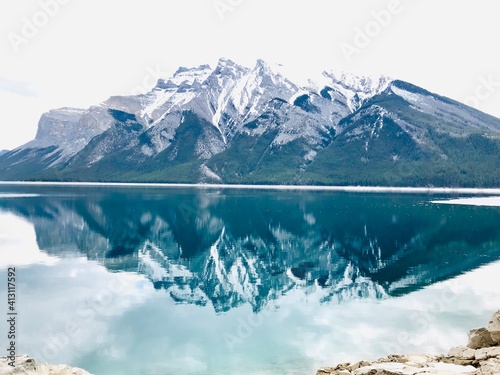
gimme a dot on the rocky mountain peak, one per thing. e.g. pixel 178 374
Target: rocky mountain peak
pixel 191 75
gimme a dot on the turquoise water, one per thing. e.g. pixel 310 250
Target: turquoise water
pixel 217 281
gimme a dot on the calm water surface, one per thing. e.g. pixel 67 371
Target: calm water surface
pixel 191 281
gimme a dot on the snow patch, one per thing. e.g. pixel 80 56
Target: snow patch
pixel 311 155
pixel 207 172
pixel 410 97
pixel 14 195
pixel 479 201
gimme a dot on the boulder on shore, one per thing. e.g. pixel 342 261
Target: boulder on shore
pixel 481 356
pixel 480 338
pixel 494 327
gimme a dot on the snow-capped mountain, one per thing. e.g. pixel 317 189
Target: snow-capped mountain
pixel 262 125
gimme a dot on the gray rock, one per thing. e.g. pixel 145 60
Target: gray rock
pixel 69 129
pixel 357 365
pixel 480 338
pixel 490 367
pixel 494 327
pixel 332 371
pixel 487 353
pixel 462 352
pixel 393 368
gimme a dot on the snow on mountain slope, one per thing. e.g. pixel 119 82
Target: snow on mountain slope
pixel 417 113
pixel 291 123
pixel 351 84
pixel 231 95
pixel 463 119
pixel 254 91
pixel 170 94
pixel 227 97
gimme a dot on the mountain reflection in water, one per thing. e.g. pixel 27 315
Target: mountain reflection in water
pixel 226 248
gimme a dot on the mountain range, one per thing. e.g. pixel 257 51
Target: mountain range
pixel 233 124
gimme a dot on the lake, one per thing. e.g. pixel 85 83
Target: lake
pixel 134 280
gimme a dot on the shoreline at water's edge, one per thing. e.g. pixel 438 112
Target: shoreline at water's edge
pixel 356 189
pixel 24 364
pixel 481 356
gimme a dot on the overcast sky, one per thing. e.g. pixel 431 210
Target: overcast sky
pixel 58 53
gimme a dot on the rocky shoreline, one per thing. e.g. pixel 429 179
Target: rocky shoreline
pixel 480 356
pixel 28 366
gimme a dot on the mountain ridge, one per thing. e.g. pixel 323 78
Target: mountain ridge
pixel 234 124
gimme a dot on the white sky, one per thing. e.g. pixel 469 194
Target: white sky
pixel 89 50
